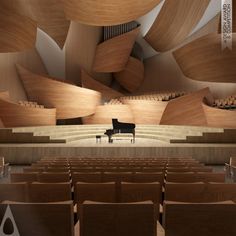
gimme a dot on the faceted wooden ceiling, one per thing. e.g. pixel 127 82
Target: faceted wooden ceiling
pixel 107 12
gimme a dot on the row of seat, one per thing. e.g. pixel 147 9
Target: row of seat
pixel 121 219
pixel 30 104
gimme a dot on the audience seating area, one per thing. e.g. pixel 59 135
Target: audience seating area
pixel 30 104
pixel 121 197
pixel 155 96
pixel 226 103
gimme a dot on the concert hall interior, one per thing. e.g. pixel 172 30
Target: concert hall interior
pixel 117 117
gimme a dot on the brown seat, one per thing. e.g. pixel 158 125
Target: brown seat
pixel 24 177
pixel 212 219
pixel 137 192
pixel 117 177
pixel 191 177
pixel 49 192
pixel 94 177
pixel 48 177
pixel 41 219
pixel 142 177
pixel 33 169
pixel 13 192
pixel 120 219
pixel 101 192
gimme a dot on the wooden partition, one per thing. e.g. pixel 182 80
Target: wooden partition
pixel 71 101
pixel 146 111
pixel 216 117
pixel 15 115
pixel 186 110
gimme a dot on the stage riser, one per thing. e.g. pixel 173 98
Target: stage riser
pixel 208 154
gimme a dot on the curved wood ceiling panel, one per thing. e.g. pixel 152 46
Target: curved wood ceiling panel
pixel 15 115
pixel 49 15
pixel 113 54
pixel 204 60
pixel 107 12
pixel 175 22
pixel 104 114
pixel 71 101
pixel 146 112
pixel 90 83
pixel 132 76
pixel 219 117
pixel 186 110
pixel 18 33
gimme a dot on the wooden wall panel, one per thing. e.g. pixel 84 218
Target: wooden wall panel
pixel 15 115
pixel 186 110
pixel 175 22
pixel 107 12
pixel 18 32
pixel 113 54
pixel 90 83
pixel 219 117
pixel 204 60
pixel 105 113
pixel 71 101
pixel 162 72
pixel 9 79
pixel 49 15
pixel 85 39
pixel 146 112
pixel 132 76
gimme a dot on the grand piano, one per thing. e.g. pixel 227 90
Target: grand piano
pixel 120 127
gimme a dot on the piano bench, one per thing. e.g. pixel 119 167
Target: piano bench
pixel 98 138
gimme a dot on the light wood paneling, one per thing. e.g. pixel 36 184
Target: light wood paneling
pixel 132 76
pixel 107 12
pixel 71 101
pixel 204 60
pixel 18 32
pixel 49 15
pixel 113 54
pixel 9 79
pixel 175 22
pixel 219 117
pixel 104 114
pixel 90 83
pixel 146 112
pixel 85 39
pixel 15 115
pixel 186 110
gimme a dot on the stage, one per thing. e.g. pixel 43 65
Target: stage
pixel 151 141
